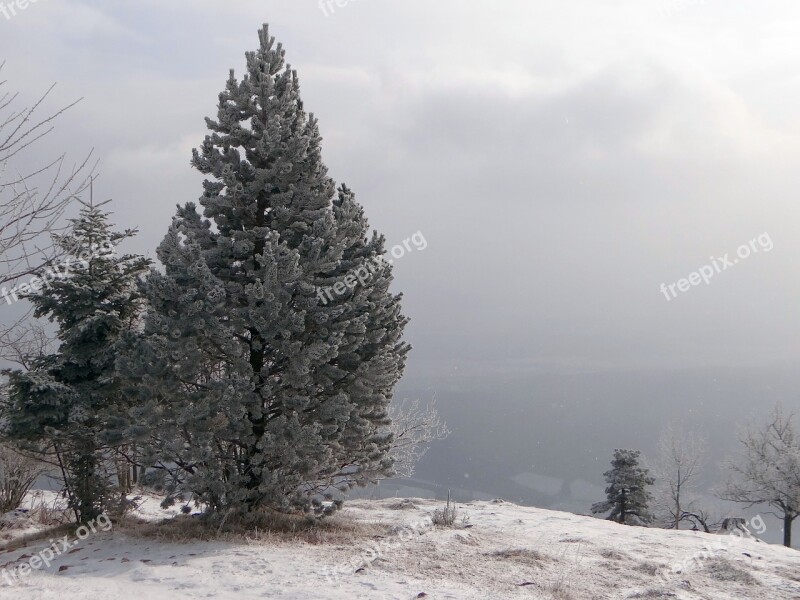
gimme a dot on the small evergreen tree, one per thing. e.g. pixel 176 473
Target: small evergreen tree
pixel 627 495
pixel 70 403
pixel 257 389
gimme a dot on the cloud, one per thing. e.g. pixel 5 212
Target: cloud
pixel 561 160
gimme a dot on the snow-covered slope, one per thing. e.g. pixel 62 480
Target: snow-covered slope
pixel 501 551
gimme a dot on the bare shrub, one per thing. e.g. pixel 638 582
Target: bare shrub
pixel 17 475
pixel 50 513
pixel 448 515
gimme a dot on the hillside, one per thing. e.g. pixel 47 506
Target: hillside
pixel 388 550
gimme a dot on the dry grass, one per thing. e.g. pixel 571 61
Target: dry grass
pixel 259 528
pixel 612 554
pixel 54 516
pixel 521 555
pixel 790 574
pixel 405 504
pixel 559 589
pixel 654 593
pixel 724 570
pixel 649 568
pixel 45 534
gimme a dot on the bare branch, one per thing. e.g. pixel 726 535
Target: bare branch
pixel 768 471
pixel 32 201
pixel 677 471
pixel 413 427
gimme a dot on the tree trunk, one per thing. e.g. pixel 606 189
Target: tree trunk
pixel 123 476
pixel 134 470
pixel 787 529
pixel 623 508
pixel 82 471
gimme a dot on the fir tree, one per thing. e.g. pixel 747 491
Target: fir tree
pixel 258 390
pixel 70 402
pixel 627 495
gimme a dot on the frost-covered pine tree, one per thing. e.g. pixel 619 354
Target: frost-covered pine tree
pixel 259 389
pixel 627 495
pixel 69 404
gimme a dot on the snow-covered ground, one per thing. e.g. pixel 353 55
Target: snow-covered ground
pixel 501 551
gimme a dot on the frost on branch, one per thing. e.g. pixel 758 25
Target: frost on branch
pixel 413 426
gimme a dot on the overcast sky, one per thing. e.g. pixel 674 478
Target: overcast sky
pixel 562 159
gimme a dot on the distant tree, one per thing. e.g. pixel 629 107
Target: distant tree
pixel 69 404
pixel 768 470
pixel 677 473
pixel 627 495
pixel 413 427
